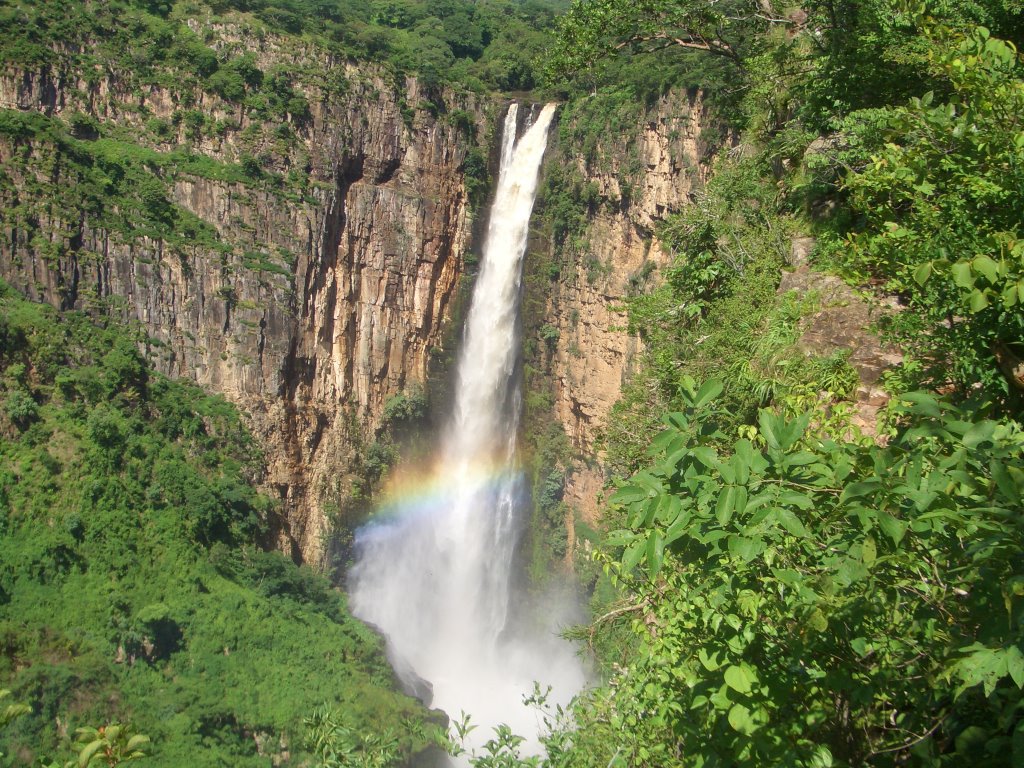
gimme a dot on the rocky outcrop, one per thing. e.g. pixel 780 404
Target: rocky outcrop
pixel 640 177
pixel 845 320
pixel 317 301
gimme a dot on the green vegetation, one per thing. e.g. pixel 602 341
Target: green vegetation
pixel 120 186
pixel 774 588
pixel 934 187
pixel 110 745
pixel 132 583
pixel 778 589
pixel 481 46
pixel 817 602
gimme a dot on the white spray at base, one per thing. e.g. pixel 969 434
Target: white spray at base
pixel 434 571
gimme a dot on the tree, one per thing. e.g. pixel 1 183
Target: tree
pixel 938 184
pixel 592 29
pixel 809 602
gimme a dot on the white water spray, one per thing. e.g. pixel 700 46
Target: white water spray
pixel 435 576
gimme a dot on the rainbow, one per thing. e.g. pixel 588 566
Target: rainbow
pixel 414 491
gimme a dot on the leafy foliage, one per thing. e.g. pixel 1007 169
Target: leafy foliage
pixel 480 46
pixel 797 597
pixel 935 185
pixel 718 312
pixel 107 745
pixel 338 745
pixel 877 53
pixel 819 602
pixel 132 586
pixel 591 30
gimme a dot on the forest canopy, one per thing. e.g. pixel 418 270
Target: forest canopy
pixel 777 588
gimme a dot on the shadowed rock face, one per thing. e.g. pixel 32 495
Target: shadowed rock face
pixel 325 303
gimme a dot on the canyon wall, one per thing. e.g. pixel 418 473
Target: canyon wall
pixel 321 283
pixel 633 177
pixel 327 246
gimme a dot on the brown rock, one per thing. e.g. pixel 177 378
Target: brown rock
pixel 324 308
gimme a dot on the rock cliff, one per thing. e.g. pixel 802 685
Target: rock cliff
pixel 318 281
pixel 634 177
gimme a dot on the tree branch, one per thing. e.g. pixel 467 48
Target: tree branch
pixel 693 41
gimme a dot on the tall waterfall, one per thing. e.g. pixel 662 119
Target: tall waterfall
pixel 433 572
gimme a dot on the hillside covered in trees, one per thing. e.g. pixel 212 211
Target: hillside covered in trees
pixel 777 588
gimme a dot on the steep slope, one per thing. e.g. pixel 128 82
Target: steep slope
pixel 290 235
pixel 616 171
pixel 130 589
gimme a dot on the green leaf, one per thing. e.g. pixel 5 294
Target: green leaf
pixel 891 527
pixel 1015 665
pixel 979 433
pixel 739 678
pixel 817 621
pixel 745 548
pixel 645 512
pixel 923 403
pixel 740 502
pixel 632 555
pixel 708 392
pixel 675 532
pixel 801 459
pixel 787 576
pixel 627 495
pixel 655 553
pixel 822 757
pixel 1009 296
pixel 706 456
pixel 922 273
pixel 977 301
pixel 986 267
pixel 136 741
pixel 1004 482
pixel 619 538
pixel 868 551
pixel 850 570
pixel 710 661
pixel 962 276
pixel 797 499
pixel 726 504
pixel 791 523
pixel 768 424
pixel 668 509
pixel 740 720
pixel 87 753
pixel 860 489
pixel 678 420
pixel 743 459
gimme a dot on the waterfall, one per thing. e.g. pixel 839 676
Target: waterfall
pixel 433 571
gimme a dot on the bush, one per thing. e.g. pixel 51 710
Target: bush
pixel 20 408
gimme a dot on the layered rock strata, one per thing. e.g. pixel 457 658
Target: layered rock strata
pixel 315 306
pixel 640 176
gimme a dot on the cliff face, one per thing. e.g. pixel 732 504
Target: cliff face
pixel 646 171
pixel 309 304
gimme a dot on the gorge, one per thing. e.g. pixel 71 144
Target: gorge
pixel 291 421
